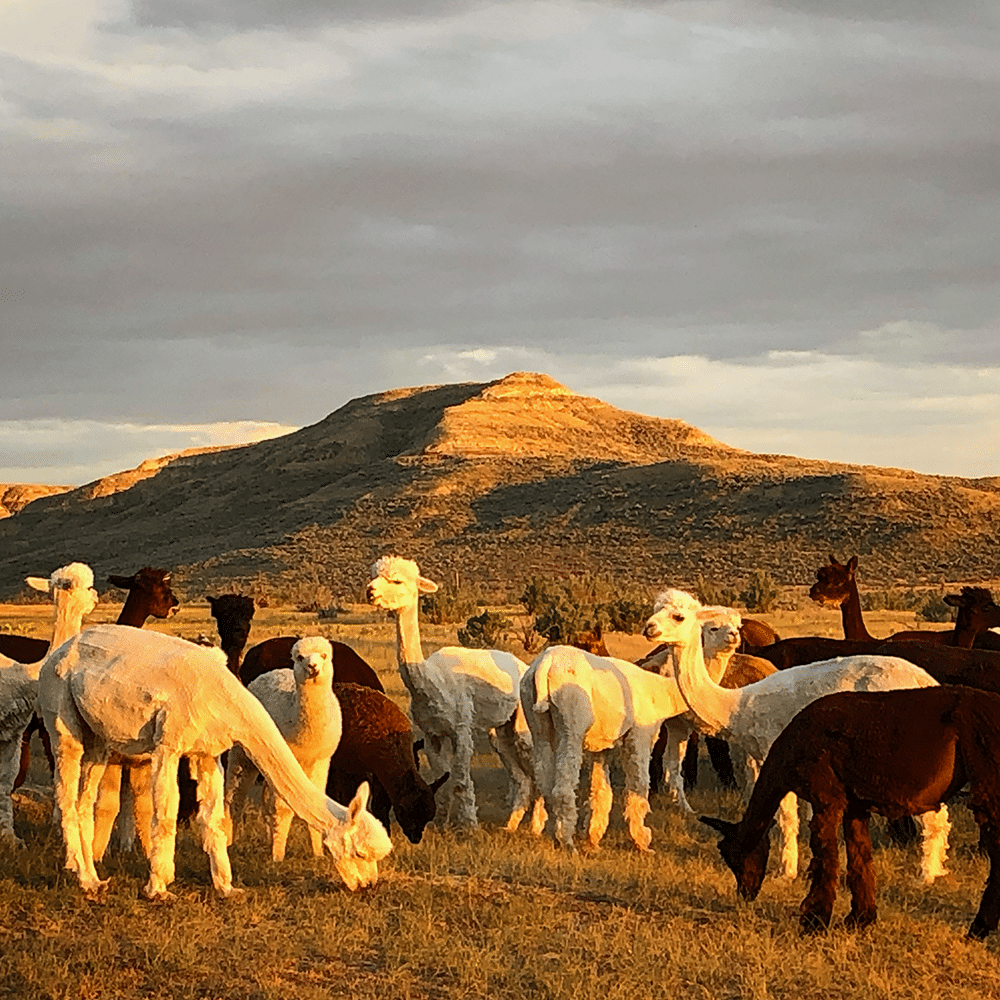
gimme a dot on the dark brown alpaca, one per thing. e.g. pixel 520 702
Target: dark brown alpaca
pixel 233 614
pixel 276 654
pixel 836 587
pixel 899 753
pixel 376 746
pixel 977 614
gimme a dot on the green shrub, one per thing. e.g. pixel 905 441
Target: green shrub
pixel 709 592
pixel 447 604
pixel 935 610
pixel 892 600
pixel 485 631
pixel 761 593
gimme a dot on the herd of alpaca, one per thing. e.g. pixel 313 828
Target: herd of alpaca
pixel 824 720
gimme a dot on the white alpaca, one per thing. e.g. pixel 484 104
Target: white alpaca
pixel 455 693
pixel 754 715
pixel 73 597
pixel 577 703
pixel 306 711
pixel 121 690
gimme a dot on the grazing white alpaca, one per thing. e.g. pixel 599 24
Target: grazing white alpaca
pixel 455 693
pixel 306 711
pixel 121 690
pixel 753 716
pixel 73 597
pixel 577 703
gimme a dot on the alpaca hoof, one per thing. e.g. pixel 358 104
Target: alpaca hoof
pixel 97 892
pixel 233 895
pixel 160 896
pixel 859 921
pixel 812 923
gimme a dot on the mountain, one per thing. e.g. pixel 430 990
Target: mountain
pixel 14 497
pixel 498 482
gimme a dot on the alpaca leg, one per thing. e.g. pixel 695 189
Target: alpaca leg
pixel 689 766
pixel 140 787
pixel 600 799
pixel 207 772
pixel 788 824
pixel 676 744
pixel 988 916
pixel 440 754
pixel 240 776
pixel 69 754
pixel 566 776
pixel 860 871
pixel 824 868
pixel 635 752
pixel 164 835
pixel 519 779
pixel 543 761
pixel 934 845
pixel 656 760
pixel 722 761
pixel 318 772
pixel 106 809
pixel 91 772
pixel 464 791
pixel 281 822
pixel 10 758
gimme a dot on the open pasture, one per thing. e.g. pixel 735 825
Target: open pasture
pixel 486 914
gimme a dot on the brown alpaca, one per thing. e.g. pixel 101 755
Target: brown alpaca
pixel 977 614
pixel 376 745
pixel 899 753
pixel 756 633
pixel 276 654
pixel 836 587
pixel 233 614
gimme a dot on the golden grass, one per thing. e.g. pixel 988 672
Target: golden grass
pixel 483 914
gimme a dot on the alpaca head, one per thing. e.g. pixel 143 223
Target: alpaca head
pixel 720 633
pixel 71 587
pixel 152 586
pixel 748 867
pixel 397 584
pixel 675 619
pixel 233 614
pixel 312 661
pixel 359 843
pixel 834 583
pixel 416 806
pixel 976 608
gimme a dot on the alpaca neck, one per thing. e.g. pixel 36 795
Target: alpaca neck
pixel 409 652
pixel 255 731
pixel 965 632
pixel 853 621
pixel 233 648
pixel 133 612
pixel 714 706
pixel 68 619
pixel 318 710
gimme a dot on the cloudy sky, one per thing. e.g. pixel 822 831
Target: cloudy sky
pixel 222 219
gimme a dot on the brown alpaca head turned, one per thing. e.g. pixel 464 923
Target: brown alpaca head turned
pixel 149 594
pixel 233 614
pixel 976 608
pixel 834 583
pixel 416 806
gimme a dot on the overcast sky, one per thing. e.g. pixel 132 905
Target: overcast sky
pixel 223 219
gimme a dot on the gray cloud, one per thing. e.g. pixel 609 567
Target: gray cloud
pixel 192 227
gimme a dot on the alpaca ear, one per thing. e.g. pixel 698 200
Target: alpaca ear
pixel 833 560
pixel 718 824
pixel 211 600
pixel 435 785
pixel 852 564
pixel 426 586
pixel 122 582
pixel 358 803
pixel 38 583
pixel 955 600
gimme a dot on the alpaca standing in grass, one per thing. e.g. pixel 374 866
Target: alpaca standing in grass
pixel 753 716
pixel 848 754
pixel 73 597
pixel 147 695
pixel 455 693
pixel 304 708
pixel 577 703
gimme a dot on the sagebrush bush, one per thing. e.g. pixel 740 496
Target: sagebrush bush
pixel 485 631
pixel 761 592
pixel 892 600
pixel 448 604
pixel 935 610
pixel 709 592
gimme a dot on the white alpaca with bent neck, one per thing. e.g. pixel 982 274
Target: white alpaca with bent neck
pixel 113 690
pixel 455 693
pixel 755 715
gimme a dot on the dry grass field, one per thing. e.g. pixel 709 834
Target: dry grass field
pixel 485 914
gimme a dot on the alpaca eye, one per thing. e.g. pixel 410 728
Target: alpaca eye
pixel 677 618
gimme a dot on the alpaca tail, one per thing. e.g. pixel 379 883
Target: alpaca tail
pixel 542 685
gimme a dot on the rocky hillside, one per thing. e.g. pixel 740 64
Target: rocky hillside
pixel 15 497
pixel 500 481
